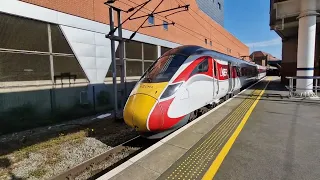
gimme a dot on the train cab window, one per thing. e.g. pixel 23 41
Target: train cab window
pixel 163 69
pixel 202 67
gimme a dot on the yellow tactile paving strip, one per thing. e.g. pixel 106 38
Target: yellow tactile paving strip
pixel 198 159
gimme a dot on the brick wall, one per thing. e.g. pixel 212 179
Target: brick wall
pixel 189 29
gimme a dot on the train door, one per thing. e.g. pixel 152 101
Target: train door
pixel 215 79
pixel 231 79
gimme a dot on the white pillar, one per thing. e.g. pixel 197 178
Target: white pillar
pixel 159 51
pixel 306 46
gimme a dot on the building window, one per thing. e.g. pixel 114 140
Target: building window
pixel 210 43
pixel 147 65
pixel 133 50
pixel 59 43
pixel 150 52
pixel 206 41
pixel 165 25
pixel 24 67
pixel 219 5
pixel 19 36
pixel 164 50
pixel 23 34
pixel 151 19
pixel 134 68
pixel 67 65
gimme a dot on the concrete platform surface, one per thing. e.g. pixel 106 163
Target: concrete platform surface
pixel 279 140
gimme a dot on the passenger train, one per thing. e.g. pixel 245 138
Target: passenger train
pixel 177 86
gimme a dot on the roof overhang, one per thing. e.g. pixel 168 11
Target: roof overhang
pixel 284 17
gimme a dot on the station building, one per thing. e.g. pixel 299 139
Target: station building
pixel 55 59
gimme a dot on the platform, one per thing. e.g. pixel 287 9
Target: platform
pixel 259 134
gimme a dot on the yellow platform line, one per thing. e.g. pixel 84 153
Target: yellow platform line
pixel 224 151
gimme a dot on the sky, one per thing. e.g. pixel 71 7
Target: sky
pixel 248 20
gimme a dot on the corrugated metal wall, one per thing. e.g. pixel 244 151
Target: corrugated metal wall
pixel 211 8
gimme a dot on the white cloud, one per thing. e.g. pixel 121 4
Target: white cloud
pixel 267 43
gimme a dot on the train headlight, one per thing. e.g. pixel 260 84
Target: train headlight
pixel 171 89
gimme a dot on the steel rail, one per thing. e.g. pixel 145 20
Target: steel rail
pixel 78 169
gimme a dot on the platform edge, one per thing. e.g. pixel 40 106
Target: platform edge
pixel 137 157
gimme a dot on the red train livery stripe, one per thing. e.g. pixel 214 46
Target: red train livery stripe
pixel 161 110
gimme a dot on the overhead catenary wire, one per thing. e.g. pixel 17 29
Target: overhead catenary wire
pixel 166 19
pixel 133 34
pixel 216 40
pixel 177 24
pixel 211 25
pixel 141 6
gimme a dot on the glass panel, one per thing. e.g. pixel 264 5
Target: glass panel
pixel 23 34
pixel 24 67
pixel 109 73
pixel 164 69
pixel 150 52
pixel 147 65
pixel 151 20
pixel 165 25
pixel 67 66
pixel 59 42
pixel 133 50
pixel 134 68
pixel 164 49
pixel 202 67
pixel 117 52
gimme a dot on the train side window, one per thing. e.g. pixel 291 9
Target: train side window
pixel 202 67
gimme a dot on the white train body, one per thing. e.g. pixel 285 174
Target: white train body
pixel 182 81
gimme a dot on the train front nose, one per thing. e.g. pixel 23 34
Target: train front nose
pixel 137 110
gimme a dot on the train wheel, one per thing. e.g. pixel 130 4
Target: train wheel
pixel 226 97
pixel 193 116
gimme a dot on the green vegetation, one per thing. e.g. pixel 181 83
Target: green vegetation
pixel 38 173
pixel 49 147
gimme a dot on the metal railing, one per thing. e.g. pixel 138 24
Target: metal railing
pixel 292 88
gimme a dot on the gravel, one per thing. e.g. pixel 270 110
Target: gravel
pixel 47 162
pixel 34 167
pixel 106 164
pixel 74 155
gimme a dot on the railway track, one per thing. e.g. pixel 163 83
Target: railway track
pixel 100 164
pixel 92 169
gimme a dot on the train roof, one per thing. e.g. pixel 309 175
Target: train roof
pixel 189 50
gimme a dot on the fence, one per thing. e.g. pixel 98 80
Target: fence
pixel 293 88
pixel 30 109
